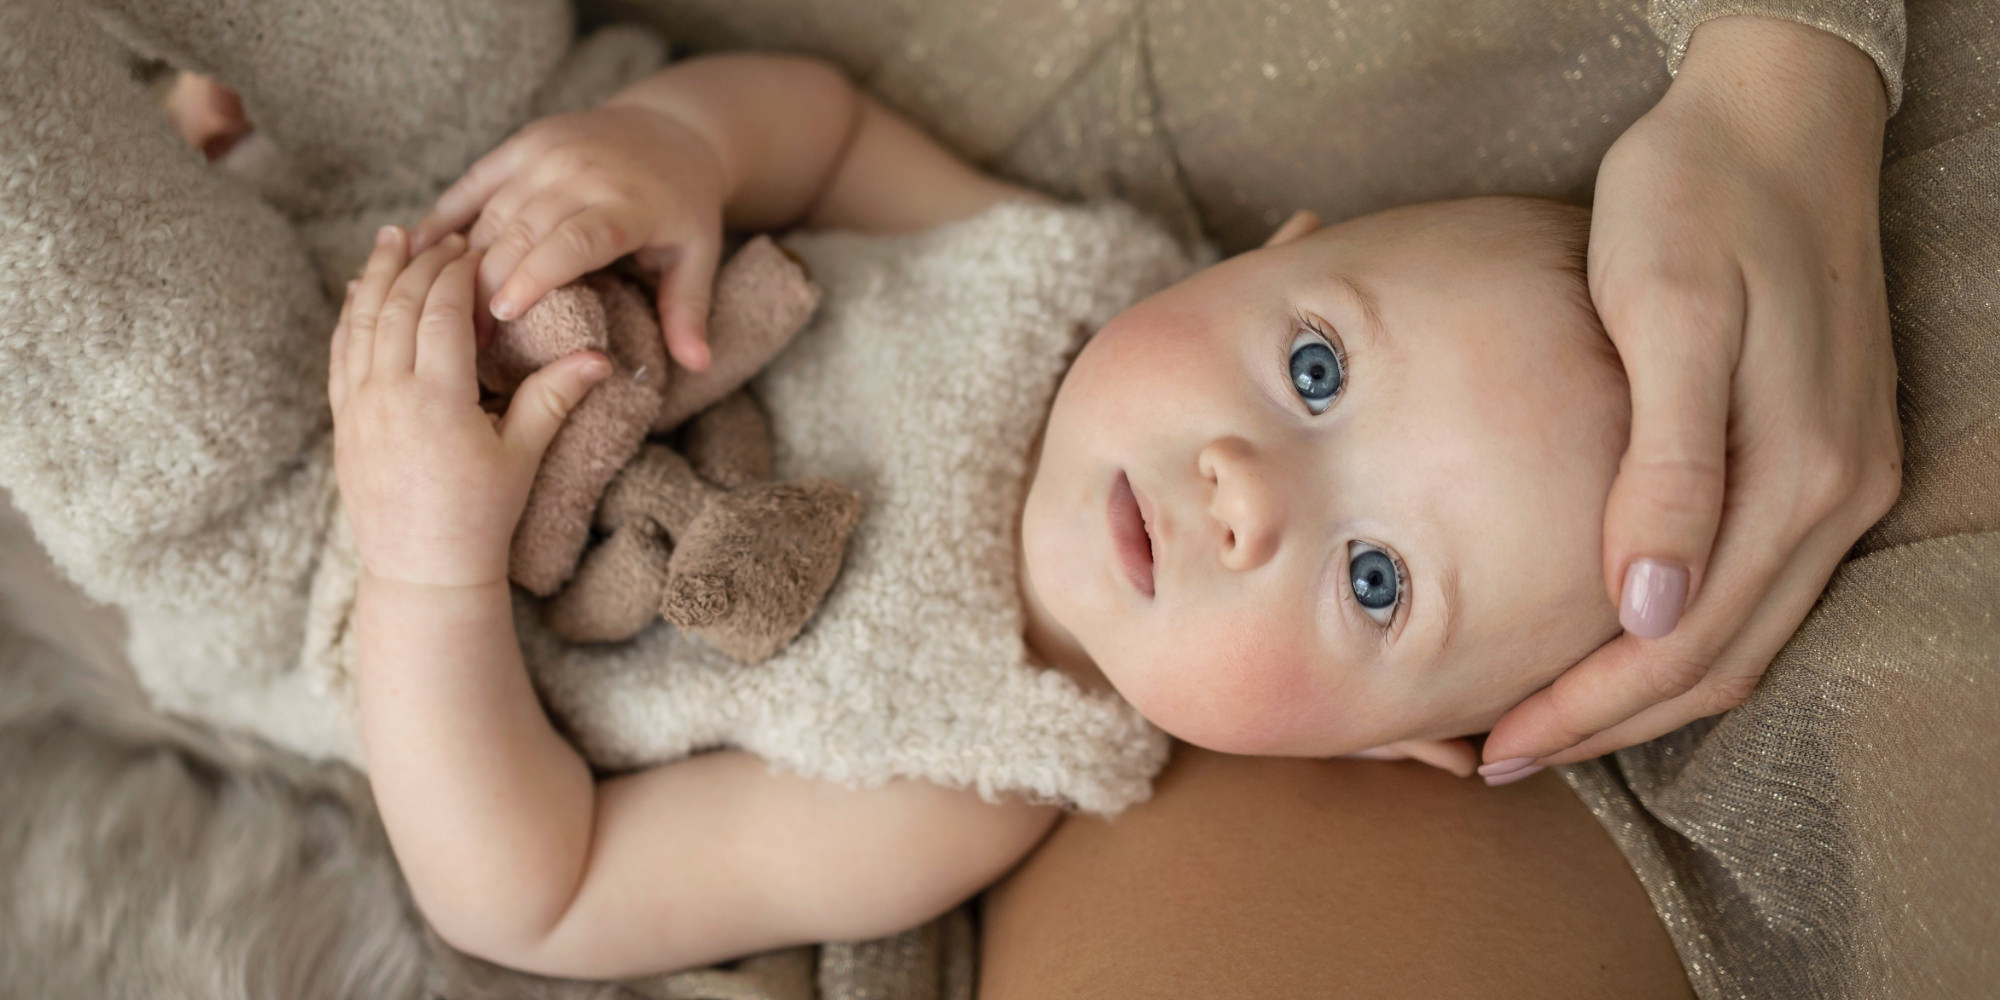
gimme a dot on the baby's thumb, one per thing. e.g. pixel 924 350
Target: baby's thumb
pixel 685 293
pixel 545 400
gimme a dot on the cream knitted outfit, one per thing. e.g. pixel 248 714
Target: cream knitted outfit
pixel 921 384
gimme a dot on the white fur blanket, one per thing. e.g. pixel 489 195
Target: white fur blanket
pixel 146 856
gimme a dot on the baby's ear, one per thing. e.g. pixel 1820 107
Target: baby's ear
pixel 1302 223
pixel 1456 756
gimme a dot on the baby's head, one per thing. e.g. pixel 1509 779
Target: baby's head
pixel 1372 461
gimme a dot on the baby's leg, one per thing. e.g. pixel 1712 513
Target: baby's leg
pixel 162 346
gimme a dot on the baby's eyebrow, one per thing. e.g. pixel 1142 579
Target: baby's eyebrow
pixel 1371 310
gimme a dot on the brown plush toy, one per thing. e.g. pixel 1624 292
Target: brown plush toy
pixel 703 540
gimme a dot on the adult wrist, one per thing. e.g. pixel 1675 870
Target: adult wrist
pixel 1785 83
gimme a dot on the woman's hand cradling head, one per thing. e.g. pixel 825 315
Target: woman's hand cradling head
pixel 1735 259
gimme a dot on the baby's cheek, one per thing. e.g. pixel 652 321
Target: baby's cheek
pixel 1233 686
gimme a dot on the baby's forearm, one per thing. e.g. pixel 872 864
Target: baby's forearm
pixel 488 809
pixel 800 144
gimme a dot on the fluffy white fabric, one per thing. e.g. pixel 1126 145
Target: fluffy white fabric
pixel 921 384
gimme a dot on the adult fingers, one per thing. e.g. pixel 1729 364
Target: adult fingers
pixel 384 263
pixel 1630 674
pixel 685 291
pixel 573 246
pixel 446 354
pixel 396 324
pixel 462 201
pixel 1679 341
pixel 1738 669
pixel 545 399
pixel 336 361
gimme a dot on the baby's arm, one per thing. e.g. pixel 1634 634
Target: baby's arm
pixel 753 141
pixel 511 849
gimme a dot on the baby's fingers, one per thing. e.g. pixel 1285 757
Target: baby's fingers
pixel 395 349
pixel 563 249
pixel 445 351
pixel 461 202
pixel 685 292
pixel 376 276
pixel 545 399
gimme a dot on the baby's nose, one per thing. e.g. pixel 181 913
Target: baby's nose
pixel 1247 502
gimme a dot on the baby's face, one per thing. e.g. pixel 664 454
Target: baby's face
pixel 1367 471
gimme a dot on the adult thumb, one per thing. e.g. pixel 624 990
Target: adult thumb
pixel 544 400
pixel 1665 503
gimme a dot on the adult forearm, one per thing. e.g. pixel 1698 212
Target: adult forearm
pixel 488 808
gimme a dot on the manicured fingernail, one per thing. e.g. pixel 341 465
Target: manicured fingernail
pixel 1496 780
pixel 597 368
pixel 502 308
pixel 385 236
pixel 351 286
pixel 1508 766
pixel 1654 593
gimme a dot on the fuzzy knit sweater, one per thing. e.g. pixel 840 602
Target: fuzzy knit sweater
pixel 920 384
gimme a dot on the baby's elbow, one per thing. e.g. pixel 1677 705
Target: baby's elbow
pixel 491 931
pixel 488 941
pixel 529 954
pixel 543 953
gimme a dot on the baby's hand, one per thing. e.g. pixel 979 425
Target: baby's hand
pixel 433 484
pixel 571 193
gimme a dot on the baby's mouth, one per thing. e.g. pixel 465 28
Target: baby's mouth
pixel 1129 535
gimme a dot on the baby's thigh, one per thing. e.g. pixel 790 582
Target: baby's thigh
pixel 1268 877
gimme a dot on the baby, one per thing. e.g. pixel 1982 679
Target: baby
pixel 1338 495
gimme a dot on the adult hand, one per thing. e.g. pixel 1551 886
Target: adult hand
pixel 1735 259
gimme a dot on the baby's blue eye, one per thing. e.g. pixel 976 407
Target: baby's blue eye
pixel 1317 373
pixel 1377 580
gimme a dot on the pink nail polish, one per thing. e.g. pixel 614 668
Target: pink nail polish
pixel 1504 767
pixel 1654 594
pixel 1496 780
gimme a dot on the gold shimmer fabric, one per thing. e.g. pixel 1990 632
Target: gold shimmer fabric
pixel 1834 835
pixel 1874 26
